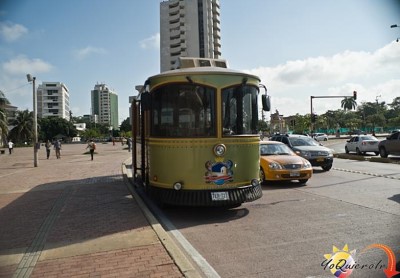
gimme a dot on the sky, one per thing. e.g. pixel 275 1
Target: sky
pixel 299 48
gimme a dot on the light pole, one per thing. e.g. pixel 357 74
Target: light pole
pixel 35 134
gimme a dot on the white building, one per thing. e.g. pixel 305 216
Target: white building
pixel 189 28
pixel 53 100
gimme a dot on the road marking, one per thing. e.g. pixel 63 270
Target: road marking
pixel 367 173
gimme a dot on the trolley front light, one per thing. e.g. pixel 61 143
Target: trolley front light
pixel 178 186
pixel 255 182
pixel 219 150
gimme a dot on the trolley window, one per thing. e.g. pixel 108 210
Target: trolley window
pixel 239 110
pixel 183 110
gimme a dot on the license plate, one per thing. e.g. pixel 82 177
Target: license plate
pixel 219 196
pixel 294 174
pixel 320 159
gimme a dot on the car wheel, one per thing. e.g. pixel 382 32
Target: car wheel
pixel 346 149
pixel 327 167
pixel 376 153
pixel 325 139
pixel 358 151
pixel 262 175
pixel 382 152
pixel 303 181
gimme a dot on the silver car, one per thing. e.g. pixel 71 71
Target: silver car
pixel 362 144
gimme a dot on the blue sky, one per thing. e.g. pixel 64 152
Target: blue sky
pixel 299 48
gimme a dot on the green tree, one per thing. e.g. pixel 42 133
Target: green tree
pixel 126 125
pixel 348 103
pixel 53 126
pixel 23 127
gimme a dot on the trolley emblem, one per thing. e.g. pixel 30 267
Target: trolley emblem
pixel 218 173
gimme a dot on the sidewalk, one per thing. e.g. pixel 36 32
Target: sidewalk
pixel 73 217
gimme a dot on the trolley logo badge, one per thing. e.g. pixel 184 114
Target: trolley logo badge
pixel 341 263
pixel 219 172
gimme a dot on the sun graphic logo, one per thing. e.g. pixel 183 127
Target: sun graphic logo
pixel 340 262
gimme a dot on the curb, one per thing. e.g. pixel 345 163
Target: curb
pixel 363 158
pixel 184 265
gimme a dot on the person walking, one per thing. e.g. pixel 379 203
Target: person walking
pixel 92 146
pixel 129 143
pixel 48 148
pixel 10 146
pixel 57 147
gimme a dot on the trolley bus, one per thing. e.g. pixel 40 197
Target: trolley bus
pixel 195 139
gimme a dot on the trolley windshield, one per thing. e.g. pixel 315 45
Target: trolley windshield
pixel 183 110
pixel 239 110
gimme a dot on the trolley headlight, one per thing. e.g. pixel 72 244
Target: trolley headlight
pixel 219 150
pixel 255 182
pixel 178 186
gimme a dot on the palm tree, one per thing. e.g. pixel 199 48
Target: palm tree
pixel 348 103
pixel 23 130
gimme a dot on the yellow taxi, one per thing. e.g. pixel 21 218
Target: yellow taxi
pixel 279 163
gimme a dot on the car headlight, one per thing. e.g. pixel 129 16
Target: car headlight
pixel 275 165
pixel 307 164
pixel 304 153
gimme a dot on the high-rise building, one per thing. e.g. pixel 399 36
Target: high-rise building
pixel 189 28
pixel 105 105
pixel 53 100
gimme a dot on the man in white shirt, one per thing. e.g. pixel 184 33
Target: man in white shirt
pixel 10 146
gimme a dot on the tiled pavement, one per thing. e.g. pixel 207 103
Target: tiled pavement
pixel 73 217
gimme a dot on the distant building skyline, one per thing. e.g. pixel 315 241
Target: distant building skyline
pixel 105 104
pixel 189 28
pixel 53 100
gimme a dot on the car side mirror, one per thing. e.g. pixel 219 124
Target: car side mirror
pixel 266 102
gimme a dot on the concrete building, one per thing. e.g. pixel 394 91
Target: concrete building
pixel 53 100
pixel 189 28
pixel 105 105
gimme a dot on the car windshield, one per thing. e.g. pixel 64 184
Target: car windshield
pixel 275 149
pixel 303 141
pixel 368 137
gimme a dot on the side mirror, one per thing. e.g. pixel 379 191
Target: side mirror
pixel 266 102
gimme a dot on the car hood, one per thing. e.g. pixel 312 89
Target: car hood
pixel 312 148
pixel 283 159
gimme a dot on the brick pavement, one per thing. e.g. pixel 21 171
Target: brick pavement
pixel 73 217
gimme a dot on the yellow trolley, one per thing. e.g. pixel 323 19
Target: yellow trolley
pixel 195 139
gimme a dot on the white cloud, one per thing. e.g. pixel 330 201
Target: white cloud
pixel 11 32
pixel 24 65
pixel 81 54
pixel 370 74
pixel 152 42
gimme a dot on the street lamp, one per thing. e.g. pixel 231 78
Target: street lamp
pixel 35 135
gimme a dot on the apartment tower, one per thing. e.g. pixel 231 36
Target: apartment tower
pixel 53 100
pixel 189 28
pixel 105 105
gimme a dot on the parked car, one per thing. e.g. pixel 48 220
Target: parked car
pixel 320 137
pixel 279 163
pixel 390 146
pixel 362 144
pixel 308 148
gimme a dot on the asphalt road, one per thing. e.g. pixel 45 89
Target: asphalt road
pixel 288 231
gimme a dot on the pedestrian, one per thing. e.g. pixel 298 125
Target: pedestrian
pixel 129 143
pixel 113 141
pixel 57 147
pixel 92 146
pixel 10 146
pixel 48 148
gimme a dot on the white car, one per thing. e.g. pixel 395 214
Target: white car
pixel 320 137
pixel 362 144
